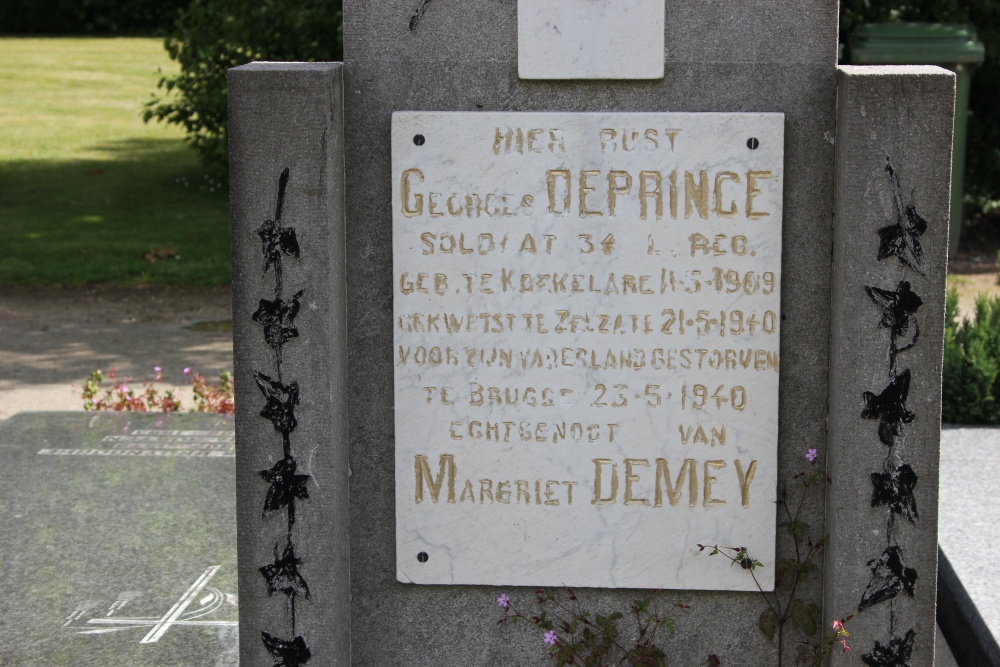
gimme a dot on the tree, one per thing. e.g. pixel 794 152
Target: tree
pixel 211 36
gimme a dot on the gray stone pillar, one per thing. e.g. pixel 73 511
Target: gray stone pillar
pixel 737 55
pixel 893 170
pixel 286 198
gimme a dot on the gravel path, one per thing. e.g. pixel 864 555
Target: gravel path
pixel 52 338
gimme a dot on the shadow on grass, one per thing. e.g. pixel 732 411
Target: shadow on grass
pixel 148 214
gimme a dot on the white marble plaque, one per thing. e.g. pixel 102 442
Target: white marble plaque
pixel 590 39
pixel 586 317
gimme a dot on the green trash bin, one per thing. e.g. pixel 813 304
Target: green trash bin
pixel 950 45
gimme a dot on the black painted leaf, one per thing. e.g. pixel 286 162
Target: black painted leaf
pixel 902 239
pixel 895 489
pixel 277 239
pixel 286 486
pixel 278 318
pixel 899 309
pixel 283 574
pixel 292 653
pixel 281 401
pixel 896 654
pixel 889 577
pixel 889 407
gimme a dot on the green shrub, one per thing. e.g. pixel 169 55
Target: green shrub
pixel 88 17
pixel 971 384
pixel 211 36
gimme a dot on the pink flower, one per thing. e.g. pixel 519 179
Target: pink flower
pixel 157 369
pixel 186 371
pixel 123 389
pixel 812 455
pixel 503 601
pixel 842 633
pixel 550 638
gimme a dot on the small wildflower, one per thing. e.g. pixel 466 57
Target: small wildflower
pixel 123 389
pixel 187 371
pixel 157 369
pixel 812 455
pixel 842 634
pixel 550 638
pixel 503 601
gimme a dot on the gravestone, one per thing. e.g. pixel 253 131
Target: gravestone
pixel 571 335
pixel 561 318
pixel 119 540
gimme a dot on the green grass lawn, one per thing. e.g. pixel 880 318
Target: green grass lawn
pixel 88 192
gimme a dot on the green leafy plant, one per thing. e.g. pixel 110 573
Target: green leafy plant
pixel 123 395
pixel 971 378
pixel 576 636
pixel 784 608
pixel 75 17
pixel 211 36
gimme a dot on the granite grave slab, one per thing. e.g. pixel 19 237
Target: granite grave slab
pixel 119 540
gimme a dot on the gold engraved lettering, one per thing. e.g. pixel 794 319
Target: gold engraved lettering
pixel 467 492
pixel 608 139
pixel 556 141
pixel 503 138
pixel 707 499
pixel 745 479
pixel 522 491
pixel 503 493
pixel 670 135
pixel 720 178
pixel 550 182
pixel 485 489
pixel 672 179
pixel 630 478
pixel 528 244
pixel 753 191
pixel 650 185
pixel 422 471
pixel 614 189
pixel 569 491
pixel 674 490
pixel 696 194
pixel 404 193
pixel 598 473
pixel 651 143
pixel 739 245
pixel 584 191
pixel 432 205
pixel 549 493
pixel 532 137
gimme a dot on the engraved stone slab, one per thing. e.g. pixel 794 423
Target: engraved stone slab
pixel 586 316
pixel 119 539
pixel 590 39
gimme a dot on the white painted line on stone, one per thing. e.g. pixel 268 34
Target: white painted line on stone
pixel 170 618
